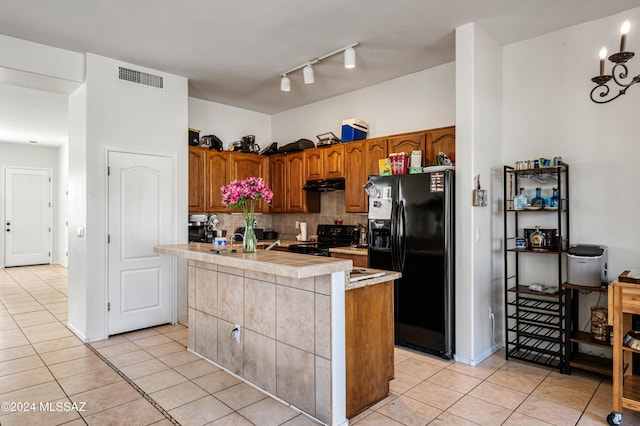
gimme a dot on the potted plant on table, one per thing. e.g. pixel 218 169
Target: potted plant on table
pixel 244 194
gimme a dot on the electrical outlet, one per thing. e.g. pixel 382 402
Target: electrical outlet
pixel 297 224
pixel 236 333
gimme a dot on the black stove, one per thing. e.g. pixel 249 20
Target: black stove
pixel 328 236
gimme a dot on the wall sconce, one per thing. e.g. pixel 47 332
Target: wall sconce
pixel 307 67
pixel 619 72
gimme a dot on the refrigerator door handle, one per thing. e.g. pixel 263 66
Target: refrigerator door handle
pixel 402 242
pixel 394 236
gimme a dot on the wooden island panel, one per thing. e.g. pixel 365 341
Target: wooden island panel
pixel 369 345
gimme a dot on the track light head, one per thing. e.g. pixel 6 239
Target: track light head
pixel 307 73
pixel 349 57
pixel 285 83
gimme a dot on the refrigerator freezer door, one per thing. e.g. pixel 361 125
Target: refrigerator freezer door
pixel 422 297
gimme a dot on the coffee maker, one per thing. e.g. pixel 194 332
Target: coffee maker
pixel 249 144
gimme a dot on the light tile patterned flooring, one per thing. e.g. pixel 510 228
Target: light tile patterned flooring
pixel 41 361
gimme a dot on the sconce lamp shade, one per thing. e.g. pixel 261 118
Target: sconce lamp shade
pixel 307 73
pixel 285 84
pixel 349 57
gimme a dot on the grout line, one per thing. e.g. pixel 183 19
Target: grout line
pixel 146 396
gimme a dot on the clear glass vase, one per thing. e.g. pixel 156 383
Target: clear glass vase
pixel 249 240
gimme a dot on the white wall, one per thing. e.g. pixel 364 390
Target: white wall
pixel 33 156
pixel 547 112
pixel 133 117
pixel 61 247
pixel 229 123
pixel 478 147
pixel 418 101
pixel 42 60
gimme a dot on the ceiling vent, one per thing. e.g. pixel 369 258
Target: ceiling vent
pixel 139 77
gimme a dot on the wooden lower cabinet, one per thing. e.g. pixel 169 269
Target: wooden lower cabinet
pixel 359 261
pixel 369 345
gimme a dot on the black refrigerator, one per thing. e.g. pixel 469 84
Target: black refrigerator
pixel 411 231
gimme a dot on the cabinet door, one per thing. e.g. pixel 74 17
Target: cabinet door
pixel 197 187
pixel 277 178
pixel 355 198
pixel 250 165
pixel 375 149
pixel 333 161
pixel 217 175
pixel 407 143
pixel 313 164
pixel 440 140
pixel 295 177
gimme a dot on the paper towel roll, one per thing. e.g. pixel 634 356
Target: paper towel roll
pixel 303 231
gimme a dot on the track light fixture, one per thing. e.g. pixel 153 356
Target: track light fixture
pixel 349 57
pixel 307 74
pixel 285 83
pixel 307 67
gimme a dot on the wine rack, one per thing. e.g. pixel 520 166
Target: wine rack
pixel 535 319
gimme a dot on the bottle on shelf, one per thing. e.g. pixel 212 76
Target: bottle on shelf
pixel 520 200
pixel 554 198
pixel 537 201
pixel 537 239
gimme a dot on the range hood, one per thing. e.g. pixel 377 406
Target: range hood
pixel 322 185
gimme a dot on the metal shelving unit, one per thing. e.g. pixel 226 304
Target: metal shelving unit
pixel 535 320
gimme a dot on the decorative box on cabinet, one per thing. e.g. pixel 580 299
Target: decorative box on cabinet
pixel 535 321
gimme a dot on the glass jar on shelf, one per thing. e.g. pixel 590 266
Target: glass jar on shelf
pixel 538 201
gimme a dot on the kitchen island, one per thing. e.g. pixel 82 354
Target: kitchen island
pixel 293 325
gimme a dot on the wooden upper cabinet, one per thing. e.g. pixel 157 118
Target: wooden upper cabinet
pixel 297 199
pixel 407 143
pixel 355 198
pixel 333 161
pixel 243 166
pixel 197 191
pixel 375 149
pixel 440 140
pixel 217 175
pixel 313 163
pixel 278 182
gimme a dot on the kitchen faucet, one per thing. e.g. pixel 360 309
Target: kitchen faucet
pixel 275 243
pixel 233 237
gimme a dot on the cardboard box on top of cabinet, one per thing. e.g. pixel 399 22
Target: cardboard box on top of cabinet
pixel 354 129
pixel 384 165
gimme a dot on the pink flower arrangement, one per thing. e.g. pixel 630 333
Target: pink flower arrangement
pixel 244 193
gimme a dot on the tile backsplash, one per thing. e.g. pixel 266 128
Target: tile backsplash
pixel 331 209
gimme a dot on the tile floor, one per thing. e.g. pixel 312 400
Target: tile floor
pixel 148 377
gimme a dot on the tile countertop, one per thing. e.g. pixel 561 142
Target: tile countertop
pixel 271 262
pixel 345 250
pixel 275 262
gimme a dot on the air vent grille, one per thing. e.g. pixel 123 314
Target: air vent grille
pixel 139 77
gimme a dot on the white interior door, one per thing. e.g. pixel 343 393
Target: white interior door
pixel 27 226
pixel 140 217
